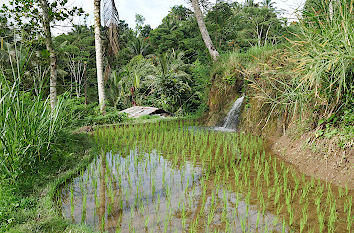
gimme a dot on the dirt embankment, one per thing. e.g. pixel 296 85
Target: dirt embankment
pixel 335 165
pixel 320 158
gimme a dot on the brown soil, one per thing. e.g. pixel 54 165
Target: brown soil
pixel 84 129
pixel 336 168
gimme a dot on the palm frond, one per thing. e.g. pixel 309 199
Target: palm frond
pixel 111 20
pixel 110 13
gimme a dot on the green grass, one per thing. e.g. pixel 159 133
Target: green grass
pixel 36 210
pixel 312 78
pixel 31 145
pixel 29 130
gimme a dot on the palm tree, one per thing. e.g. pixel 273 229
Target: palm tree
pixel 268 3
pixel 251 3
pixel 204 31
pixel 111 19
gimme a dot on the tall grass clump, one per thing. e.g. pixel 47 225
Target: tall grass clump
pixel 28 126
pixel 325 51
pixel 312 78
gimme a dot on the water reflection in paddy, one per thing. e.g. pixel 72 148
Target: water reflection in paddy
pixel 142 192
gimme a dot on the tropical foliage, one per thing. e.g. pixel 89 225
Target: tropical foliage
pixel 300 71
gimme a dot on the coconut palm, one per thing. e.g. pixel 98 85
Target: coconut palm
pixel 204 31
pixel 111 20
pixel 133 82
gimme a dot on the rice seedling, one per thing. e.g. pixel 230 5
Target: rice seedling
pixel 118 230
pixel 283 229
pixel 304 192
pixel 146 222
pixel 72 204
pixel 348 210
pixel 277 195
pixel 332 217
pixel 103 223
pixel 321 220
pixel 84 203
pixel 304 218
pixel 243 224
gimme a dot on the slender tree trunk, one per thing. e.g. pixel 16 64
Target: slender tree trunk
pixel 52 55
pixel 99 55
pixel 84 77
pixel 85 88
pixel 204 31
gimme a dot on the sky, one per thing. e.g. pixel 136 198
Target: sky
pixel 155 10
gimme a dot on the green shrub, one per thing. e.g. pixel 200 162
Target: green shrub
pixel 315 80
pixel 78 111
pixel 110 117
pixel 28 129
pixel 89 114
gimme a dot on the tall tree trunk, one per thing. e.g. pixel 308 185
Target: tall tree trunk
pixel 204 31
pixel 85 83
pixel 52 55
pixel 99 55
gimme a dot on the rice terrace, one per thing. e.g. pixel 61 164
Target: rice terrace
pixel 167 177
pixel 205 116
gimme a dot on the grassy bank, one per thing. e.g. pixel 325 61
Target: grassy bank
pixel 37 148
pixel 300 91
pixel 305 84
pixel 34 209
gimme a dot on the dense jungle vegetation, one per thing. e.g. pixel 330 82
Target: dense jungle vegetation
pixel 302 69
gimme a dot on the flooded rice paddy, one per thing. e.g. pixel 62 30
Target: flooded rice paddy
pixel 165 177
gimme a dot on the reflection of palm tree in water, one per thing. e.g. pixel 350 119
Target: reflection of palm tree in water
pixel 199 207
pixel 102 193
pixel 114 219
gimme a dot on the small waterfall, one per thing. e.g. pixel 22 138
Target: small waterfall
pixel 232 117
pixel 231 120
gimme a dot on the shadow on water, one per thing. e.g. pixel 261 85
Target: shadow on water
pixel 165 177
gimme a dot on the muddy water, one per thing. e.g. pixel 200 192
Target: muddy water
pixel 141 191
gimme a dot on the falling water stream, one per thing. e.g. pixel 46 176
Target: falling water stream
pixel 232 117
